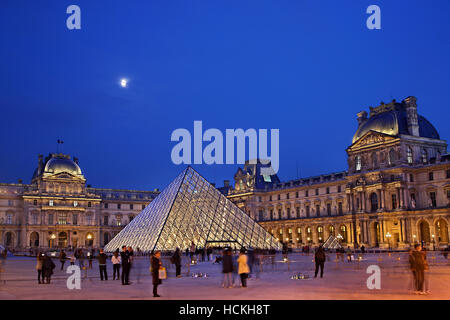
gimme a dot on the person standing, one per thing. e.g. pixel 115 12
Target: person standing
pixel 116 260
pixel 47 269
pixel 243 268
pixel 176 258
pixel 417 265
pixel 349 254
pixel 155 263
pixel 39 264
pixel 62 259
pixel 192 251
pixel 227 268
pixel 319 258
pixel 90 257
pixel 125 258
pixel 131 256
pixel 102 265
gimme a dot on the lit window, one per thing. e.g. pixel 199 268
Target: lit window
pixel 50 203
pixel 424 156
pixel 75 203
pixel 409 155
pixel 9 218
pixel 358 163
pixel 62 218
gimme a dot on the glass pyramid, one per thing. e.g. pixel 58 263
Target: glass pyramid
pixel 190 210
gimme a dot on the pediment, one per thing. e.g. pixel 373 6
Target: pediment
pixel 372 138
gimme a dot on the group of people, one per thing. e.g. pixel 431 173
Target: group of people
pixel 243 267
pixel 44 267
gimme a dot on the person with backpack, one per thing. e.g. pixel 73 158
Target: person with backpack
pixel 319 259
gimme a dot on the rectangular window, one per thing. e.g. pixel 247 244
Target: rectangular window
pixel 279 213
pixel 430 176
pixel 10 203
pixel 328 190
pixel 118 206
pixel 329 209
pixel 143 206
pixel 448 174
pixel 131 207
pixel 75 219
pixel 271 214
pixel 394 201
pixel 340 208
pixel 287 195
pixel 261 215
pixel 411 177
pixel 296 194
pixel 118 221
pixel 9 218
pixel 339 188
pixel 317 192
pixel 270 198
pixel 62 218
pixel 307 193
pixel 34 218
pixel 433 199
pixel 288 212
pixel 279 197
pixel 298 212
pixel 106 206
pixel 89 219
pixel 307 211
pixel 35 202
pixel 89 204
pixel 105 220
pixel 259 199
pixel 50 218
pixel 317 210
pixel 50 203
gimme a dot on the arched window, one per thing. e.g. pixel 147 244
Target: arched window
pixel 358 163
pixel 424 156
pixel 299 235
pixel 309 234
pixel 89 240
pixel 320 233
pixel 409 155
pixel 343 233
pixel 331 230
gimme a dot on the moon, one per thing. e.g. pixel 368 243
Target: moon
pixel 123 83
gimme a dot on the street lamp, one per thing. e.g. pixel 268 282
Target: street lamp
pixel 388 236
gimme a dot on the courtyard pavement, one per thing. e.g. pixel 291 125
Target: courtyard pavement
pixel 342 280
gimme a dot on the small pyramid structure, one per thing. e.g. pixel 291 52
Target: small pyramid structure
pixel 190 210
pixel 332 243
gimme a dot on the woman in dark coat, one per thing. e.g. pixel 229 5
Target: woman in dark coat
pixel 176 258
pixel 155 262
pixel 319 258
pixel 47 269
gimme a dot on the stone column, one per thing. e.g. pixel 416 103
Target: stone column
pixel 406 198
pixel 383 200
pixel 348 203
pixel 399 198
pixel 379 199
pixel 363 201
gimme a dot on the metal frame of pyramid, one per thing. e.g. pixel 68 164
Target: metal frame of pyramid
pixel 332 243
pixel 190 210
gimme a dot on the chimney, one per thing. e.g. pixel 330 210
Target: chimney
pixel 362 117
pixel 226 183
pixel 411 116
pixel 75 159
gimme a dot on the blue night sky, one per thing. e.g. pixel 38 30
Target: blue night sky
pixel 305 67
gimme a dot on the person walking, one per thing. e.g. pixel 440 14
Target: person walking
pixel 62 259
pixel 243 268
pixel 102 265
pixel 90 257
pixel 319 258
pixel 155 263
pixel 176 258
pixel 418 265
pixel 349 254
pixel 39 264
pixel 125 258
pixel 116 260
pixel 192 251
pixel 47 269
pixel 227 268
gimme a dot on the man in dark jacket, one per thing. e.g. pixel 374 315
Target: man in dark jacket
pixel 102 257
pixel 319 258
pixel 125 258
pixel 227 268
pixel 176 260
pixel 417 264
pixel 62 259
pixel 155 263
pixel 47 269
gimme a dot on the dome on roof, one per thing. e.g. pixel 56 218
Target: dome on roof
pixel 392 119
pixel 58 165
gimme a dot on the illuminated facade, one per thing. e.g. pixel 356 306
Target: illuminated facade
pixel 57 209
pixel 396 191
pixel 190 210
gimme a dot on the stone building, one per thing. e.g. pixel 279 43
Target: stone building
pixel 396 190
pixel 57 209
